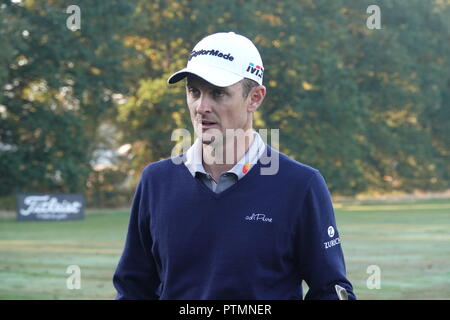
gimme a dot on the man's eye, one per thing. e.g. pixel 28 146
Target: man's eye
pixel 193 91
pixel 218 93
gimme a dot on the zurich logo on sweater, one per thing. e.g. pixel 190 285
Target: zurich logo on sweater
pixel 333 242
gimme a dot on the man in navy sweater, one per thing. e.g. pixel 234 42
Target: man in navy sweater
pixel 221 221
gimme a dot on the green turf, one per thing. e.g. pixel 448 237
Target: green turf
pixel 409 242
pixel 34 256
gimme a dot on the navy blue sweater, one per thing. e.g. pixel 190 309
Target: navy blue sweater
pixel 259 239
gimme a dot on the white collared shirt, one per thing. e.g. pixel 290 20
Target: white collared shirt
pixel 194 164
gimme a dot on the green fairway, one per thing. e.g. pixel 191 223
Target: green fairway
pixel 409 242
pixel 34 256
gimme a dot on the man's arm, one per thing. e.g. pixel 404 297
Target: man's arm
pixel 321 259
pixel 136 276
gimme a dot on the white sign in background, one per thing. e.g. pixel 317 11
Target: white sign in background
pixel 50 207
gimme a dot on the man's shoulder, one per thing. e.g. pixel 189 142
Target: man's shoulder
pixel 162 167
pixel 290 167
pixel 299 175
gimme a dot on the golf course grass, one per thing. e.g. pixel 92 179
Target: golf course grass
pixel 409 243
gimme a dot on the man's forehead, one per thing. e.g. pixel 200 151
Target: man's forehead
pixel 192 79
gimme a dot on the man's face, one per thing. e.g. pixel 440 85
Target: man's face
pixel 218 108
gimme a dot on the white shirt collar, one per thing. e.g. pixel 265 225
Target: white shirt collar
pixel 194 163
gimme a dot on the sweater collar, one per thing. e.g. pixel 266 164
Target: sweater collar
pixel 193 159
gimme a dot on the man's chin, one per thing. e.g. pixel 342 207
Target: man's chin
pixel 210 136
pixel 207 139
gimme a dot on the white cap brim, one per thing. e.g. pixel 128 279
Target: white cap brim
pixel 216 76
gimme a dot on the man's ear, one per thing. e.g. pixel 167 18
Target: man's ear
pixel 256 97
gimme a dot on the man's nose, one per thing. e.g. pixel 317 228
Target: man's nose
pixel 204 104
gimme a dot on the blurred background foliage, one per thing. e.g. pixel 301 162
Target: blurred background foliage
pixel 85 111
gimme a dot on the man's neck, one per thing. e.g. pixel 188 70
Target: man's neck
pixel 227 156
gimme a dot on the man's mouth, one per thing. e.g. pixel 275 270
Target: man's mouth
pixel 207 124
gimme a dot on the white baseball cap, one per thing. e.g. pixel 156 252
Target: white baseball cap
pixel 223 59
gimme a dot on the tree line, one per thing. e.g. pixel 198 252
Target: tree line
pixel 370 108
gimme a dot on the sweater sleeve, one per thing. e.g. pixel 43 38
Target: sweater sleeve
pixel 321 260
pixel 136 275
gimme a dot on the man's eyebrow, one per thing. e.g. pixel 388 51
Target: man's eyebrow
pixel 219 88
pixel 212 87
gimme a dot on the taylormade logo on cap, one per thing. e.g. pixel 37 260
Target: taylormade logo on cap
pixel 223 59
pixel 216 53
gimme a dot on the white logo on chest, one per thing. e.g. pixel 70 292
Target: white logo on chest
pixel 258 217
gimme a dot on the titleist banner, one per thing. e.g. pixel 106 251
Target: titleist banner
pixel 50 207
